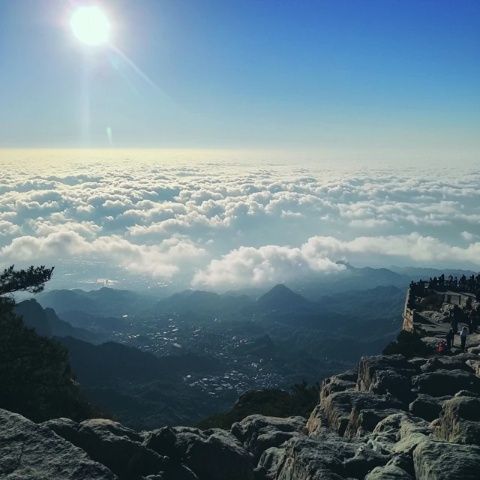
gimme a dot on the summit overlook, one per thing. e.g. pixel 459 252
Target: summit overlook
pixel 412 413
pixel 257 223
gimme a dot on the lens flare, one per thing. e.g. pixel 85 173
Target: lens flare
pixel 90 25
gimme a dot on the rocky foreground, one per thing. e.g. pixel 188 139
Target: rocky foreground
pixel 393 418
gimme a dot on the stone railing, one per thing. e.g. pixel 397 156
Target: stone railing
pixel 409 313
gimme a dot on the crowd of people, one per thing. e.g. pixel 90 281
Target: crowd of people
pixel 464 320
pixel 470 319
pixel 464 284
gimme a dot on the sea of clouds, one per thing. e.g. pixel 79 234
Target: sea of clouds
pixel 222 226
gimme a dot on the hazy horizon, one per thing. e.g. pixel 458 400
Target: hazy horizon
pixel 215 223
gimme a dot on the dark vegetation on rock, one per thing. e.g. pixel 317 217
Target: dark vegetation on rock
pixel 408 344
pixel 35 376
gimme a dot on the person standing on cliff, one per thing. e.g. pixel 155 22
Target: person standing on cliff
pixel 463 337
pixel 449 337
pixel 471 321
pixel 455 318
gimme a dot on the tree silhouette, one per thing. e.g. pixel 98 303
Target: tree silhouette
pixel 35 375
pixel 31 280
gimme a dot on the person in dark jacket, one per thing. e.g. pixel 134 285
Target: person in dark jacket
pixel 449 338
pixel 455 318
pixel 463 337
pixel 471 321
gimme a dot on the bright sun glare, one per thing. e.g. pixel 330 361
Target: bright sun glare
pixel 90 25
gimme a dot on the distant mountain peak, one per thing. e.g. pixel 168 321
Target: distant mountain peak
pixel 281 287
pixel 281 297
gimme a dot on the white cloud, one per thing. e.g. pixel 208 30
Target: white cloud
pixel 272 264
pixel 159 261
pixel 217 223
pixel 468 236
pixel 413 247
pixel 248 266
pixel 8 229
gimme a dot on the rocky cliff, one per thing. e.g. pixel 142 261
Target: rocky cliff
pixel 395 417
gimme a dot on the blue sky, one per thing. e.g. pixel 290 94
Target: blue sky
pixel 389 77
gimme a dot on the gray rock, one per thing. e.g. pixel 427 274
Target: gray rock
pixel 459 421
pixel 446 461
pixel 342 412
pixel 113 445
pixel 400 434
pixel 445 382
pixel 338 383
pixel 30 452
pixel 258 432
pixel 174 472
pixel 65 427
pixel 404 462
pixel 316 421
pixel 386 374
pixel 449 362
pixel 363 420
pixel 211 454
pixel 417 362
pixel 165 442
pixel 270 463
pixel 388 472
pixel 329 457
pixel 467 393
pixel 474 364
pixel 307 459
pixel 427 407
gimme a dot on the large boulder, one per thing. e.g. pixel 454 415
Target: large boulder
pixel 399 434
pixel 445 382
pixel 30 452
pixel 326 458
pixel 427 407
pixel 386 374
pixel 113 445
pixel 388 472
pixel 364 419
pixel 65 427
pixel 351 412
pixel 316 421
pixel 258 432
pixel 446 461
pixel 307 459
pixel 270 463
pixel 338 383
pixel 460 421
pixel 449 362
pixel 474 364
pixel 211 454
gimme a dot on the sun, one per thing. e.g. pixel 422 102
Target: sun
pixel 90 25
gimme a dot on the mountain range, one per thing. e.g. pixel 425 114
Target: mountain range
pixel 134 353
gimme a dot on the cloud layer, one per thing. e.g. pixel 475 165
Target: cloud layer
pixel 214 225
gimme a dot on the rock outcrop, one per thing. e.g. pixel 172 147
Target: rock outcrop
pixel 31 452
pixel 395 417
